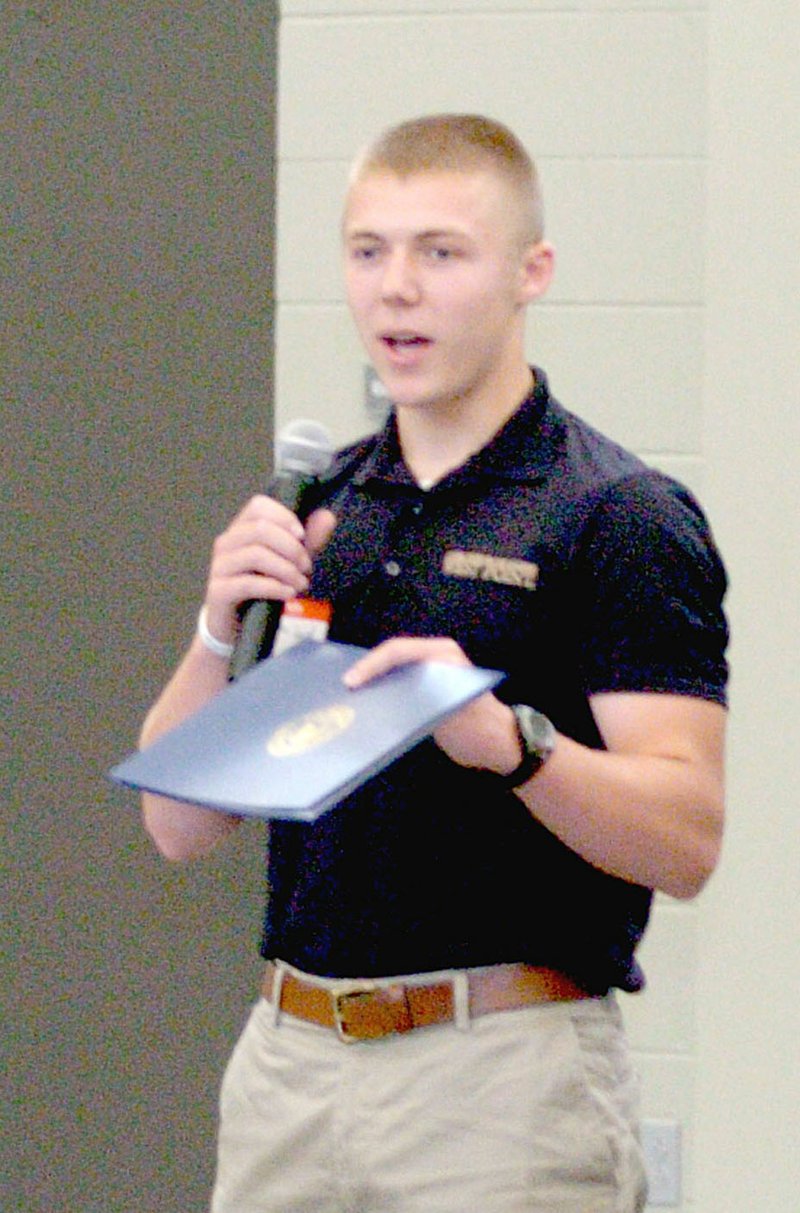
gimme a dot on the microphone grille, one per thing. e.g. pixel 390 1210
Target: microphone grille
pixel 304 446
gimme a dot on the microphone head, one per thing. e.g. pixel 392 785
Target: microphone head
pixel 305 447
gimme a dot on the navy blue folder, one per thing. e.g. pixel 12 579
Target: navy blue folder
pixel 289 740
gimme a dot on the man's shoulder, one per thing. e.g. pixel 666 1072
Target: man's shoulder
pixel 347 462
pixel 352 456
pixel 554 437
pixel 591 475
pixel 595 459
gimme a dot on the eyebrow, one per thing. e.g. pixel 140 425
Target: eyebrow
pixel 444 233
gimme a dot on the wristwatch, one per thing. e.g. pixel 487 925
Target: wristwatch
pixel 537 739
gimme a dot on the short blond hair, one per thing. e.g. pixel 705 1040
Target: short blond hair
pixel 461 143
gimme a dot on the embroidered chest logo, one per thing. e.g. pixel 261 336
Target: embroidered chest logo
pixel 480 566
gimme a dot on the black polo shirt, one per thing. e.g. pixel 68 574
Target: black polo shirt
pixel 554 555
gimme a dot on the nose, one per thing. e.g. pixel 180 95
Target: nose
pixel 399 282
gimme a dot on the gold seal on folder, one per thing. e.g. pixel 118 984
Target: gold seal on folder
pixel 308 732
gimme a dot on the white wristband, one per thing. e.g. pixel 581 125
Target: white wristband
pixel 218 647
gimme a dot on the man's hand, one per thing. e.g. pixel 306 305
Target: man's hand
pixel 482 734
pixel 266 553
pixel 647 809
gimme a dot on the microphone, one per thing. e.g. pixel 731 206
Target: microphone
pixel 303 451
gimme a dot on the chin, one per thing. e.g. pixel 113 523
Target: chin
pixel 411 393
pixel 415 401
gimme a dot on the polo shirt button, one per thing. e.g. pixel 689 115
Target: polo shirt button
pixel 392 568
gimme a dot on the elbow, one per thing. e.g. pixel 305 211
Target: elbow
pixel 171 848
pixel 693 877
pixel 181 832
pixel 699 862
pixel 170 843
pixel 164 824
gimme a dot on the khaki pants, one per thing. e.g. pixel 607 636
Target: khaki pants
pixel 530 1111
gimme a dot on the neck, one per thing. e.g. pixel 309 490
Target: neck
pixel 435 441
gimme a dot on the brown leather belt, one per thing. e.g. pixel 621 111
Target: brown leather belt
pixel 369 1010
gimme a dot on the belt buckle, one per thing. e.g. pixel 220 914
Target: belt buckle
pixel 388 1012
pixel 341 999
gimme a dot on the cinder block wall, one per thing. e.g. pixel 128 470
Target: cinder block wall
pixel 610 98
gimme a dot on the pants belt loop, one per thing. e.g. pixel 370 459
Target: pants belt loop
pixel 461 1000
pixel 276 993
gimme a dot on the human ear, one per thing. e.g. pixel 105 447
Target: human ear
pixel 537 269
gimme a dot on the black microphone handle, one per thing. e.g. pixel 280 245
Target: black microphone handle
pixel 259 618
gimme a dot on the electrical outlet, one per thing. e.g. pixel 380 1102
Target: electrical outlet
pixel 661 1142
pixel 376 398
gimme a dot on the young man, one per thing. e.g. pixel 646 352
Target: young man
pixel 439 1029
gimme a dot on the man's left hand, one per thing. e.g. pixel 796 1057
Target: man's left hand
pixel 482 734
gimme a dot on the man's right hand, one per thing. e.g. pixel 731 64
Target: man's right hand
pixel 265 553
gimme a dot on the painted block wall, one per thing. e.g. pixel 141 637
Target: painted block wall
pixel 748 977
pixel 610 99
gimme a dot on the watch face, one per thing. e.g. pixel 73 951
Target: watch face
pixel 537 737
pixel 537 731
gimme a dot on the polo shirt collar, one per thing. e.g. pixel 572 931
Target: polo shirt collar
pixel 522 450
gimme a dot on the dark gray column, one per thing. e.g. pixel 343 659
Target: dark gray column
pixel 136 202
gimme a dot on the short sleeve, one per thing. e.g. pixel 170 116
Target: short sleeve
pixel 653 586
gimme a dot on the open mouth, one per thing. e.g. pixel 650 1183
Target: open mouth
pixel 405 341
